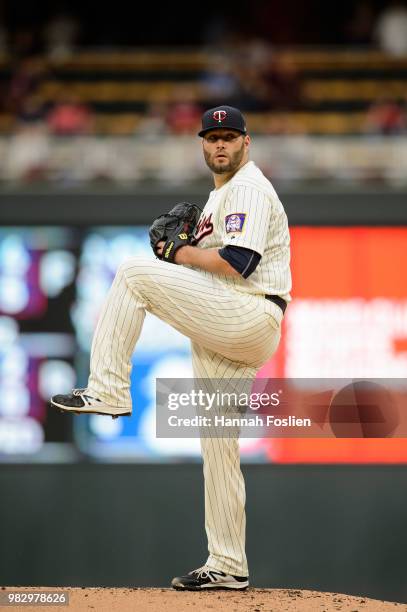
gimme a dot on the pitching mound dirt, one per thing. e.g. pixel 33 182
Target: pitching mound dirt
pixel 168 600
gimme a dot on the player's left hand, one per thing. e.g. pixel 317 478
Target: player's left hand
pixel 171 231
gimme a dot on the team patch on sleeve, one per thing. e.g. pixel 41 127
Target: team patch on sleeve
pixel 235 223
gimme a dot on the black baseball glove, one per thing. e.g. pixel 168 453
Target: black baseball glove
pixel 175 228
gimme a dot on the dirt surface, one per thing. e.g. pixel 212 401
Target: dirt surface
pixel 168 600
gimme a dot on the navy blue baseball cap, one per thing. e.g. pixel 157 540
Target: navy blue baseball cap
pixel 223 117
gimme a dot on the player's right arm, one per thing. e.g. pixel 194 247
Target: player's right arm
pixel 205 259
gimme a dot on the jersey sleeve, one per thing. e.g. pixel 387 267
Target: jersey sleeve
pixel 244 261
pixel 246 219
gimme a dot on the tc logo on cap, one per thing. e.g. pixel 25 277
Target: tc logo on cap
pixel 219 115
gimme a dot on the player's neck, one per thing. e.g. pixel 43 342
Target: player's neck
pixel 222 179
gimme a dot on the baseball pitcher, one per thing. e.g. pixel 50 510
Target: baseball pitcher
pixel 227 292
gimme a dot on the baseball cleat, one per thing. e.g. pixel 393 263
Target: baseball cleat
pixel 206 578
pixel 80 402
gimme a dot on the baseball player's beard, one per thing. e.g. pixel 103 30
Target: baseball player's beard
pixel 221 168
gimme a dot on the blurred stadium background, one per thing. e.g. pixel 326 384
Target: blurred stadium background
pixel 99 110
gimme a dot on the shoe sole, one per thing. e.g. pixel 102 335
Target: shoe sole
pixel 223 587
pixel 62 408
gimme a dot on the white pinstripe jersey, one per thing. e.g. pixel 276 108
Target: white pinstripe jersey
pixel 247 212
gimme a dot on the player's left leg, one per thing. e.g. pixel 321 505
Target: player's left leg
pixel 195 303
pixel 117 330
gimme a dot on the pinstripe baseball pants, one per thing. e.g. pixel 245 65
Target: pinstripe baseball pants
pixel 232 335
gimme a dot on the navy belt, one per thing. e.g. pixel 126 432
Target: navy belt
pixel 277 300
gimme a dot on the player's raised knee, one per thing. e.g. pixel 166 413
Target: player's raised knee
pixel 136 265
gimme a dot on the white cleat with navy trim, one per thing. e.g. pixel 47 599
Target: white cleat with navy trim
pixel 80 402
pixel 207 578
